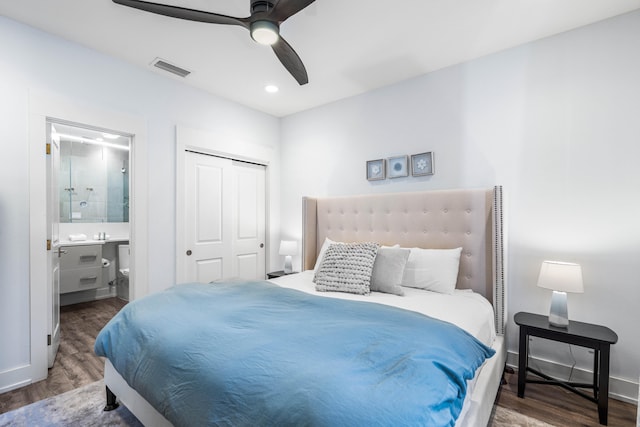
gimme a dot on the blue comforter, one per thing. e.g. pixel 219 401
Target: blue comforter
pixel 255 354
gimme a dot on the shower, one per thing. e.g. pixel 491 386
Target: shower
pixel 94 176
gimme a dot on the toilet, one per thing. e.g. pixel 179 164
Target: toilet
pixel 123 270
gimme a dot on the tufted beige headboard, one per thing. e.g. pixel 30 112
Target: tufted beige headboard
pixel 443 219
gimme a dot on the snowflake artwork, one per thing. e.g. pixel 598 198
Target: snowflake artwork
pixel 375 170
pixel 422 164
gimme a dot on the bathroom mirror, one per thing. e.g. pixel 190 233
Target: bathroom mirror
pixel 94 175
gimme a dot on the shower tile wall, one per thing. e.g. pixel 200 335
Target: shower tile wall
pixel 117 165
pixel 99 178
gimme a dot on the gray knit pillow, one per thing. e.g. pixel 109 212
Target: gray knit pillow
pixel 346 267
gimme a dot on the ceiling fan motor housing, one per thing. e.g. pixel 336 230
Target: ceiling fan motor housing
pixel 258 6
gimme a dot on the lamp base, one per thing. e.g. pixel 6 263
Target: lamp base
pixel 287 265
pixel 558 315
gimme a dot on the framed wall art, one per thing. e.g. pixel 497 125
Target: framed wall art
pixel 398 166
pixel 376 170
pixel 422 164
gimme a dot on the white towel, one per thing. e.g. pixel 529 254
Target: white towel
pixel 77 237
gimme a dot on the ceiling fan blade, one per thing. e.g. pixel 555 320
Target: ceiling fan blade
pixel 290 60
pixel 184 13
pixel 286 8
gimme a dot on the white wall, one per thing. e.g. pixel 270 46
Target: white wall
pixel 31 60
pixel 556 122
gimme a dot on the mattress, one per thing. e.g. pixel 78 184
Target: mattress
pixel 464 308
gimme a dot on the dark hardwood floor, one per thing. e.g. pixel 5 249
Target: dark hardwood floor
pixel 559 407
pixel 76 365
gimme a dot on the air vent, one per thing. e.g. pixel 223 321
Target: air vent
pixel 174 69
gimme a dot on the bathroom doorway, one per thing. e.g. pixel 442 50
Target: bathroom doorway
pixel 44 108
pixel 87 218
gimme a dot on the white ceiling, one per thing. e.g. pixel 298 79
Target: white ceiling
pixel 348 46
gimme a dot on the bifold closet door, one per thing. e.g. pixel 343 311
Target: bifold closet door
pixel 225 218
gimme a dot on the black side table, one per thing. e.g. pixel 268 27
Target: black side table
pixel 280 273
pixel 599 338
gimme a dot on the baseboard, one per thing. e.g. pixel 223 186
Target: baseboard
pixel 619 388
pixel 12 379
pixel 15 386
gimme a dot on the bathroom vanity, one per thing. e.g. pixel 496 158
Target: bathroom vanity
pixel 88 269
pixel 80 268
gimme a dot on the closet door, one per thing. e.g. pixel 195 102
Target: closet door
pixel 225 219
pixel 249 216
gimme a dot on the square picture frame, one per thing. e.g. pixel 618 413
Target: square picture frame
pixel 376 170
pixel 422 164
pixel 397 166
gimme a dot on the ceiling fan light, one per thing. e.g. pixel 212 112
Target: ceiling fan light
pixel 264 32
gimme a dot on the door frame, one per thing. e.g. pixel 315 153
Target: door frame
pixel 53 254
pixel 43 107
pixel 203 142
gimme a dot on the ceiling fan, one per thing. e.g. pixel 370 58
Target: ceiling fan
pixel 264 25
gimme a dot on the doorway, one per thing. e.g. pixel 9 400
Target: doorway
pixel 42 108
pixel 87 218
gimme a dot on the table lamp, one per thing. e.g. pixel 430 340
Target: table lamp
pixel 288 248
pixel 560 277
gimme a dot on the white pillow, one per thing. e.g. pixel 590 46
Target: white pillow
pixel 432 269
pixel 323 249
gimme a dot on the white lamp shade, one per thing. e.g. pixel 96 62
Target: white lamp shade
pixel 561 276
pixel 288 247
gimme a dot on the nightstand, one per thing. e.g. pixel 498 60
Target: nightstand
pixel 597 337
pixel 280 273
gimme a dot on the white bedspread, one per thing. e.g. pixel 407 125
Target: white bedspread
pixel 465 308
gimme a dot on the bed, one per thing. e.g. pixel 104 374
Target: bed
pixel 434 220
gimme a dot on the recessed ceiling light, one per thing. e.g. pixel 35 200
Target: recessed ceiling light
pixel 271 88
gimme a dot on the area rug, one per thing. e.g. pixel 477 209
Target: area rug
pixel 79 407
pixel 83 407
